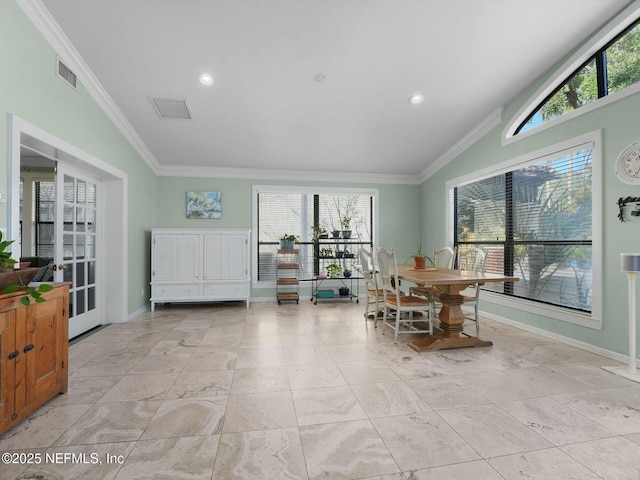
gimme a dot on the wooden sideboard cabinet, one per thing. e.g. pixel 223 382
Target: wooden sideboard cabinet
pixel 34 350
pixel 199 265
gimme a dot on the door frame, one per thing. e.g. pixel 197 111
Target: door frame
pixel 113 224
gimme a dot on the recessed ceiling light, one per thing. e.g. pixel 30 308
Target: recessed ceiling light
pixel 321 78
pixel 416 98
pixel 205 79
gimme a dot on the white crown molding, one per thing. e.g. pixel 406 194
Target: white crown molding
pixel 295 175
pixel 487 124
pixel 49 28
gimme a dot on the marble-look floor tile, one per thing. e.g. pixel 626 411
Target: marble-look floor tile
pixel 160 364
pixel 202 384
pixel 477 470
pixel 110 422
pixel 388 399
pixel 187 417
pixel 85 390
pixel 259 411
pixel 42 428
pixel 267 454
pixel 260 357
pixel 140 387
pixel 409 367
pixel 616 408
pixel 355 451
pixel 593 375
pixel 365 371
pixel 422 440
pixel 107 366
pixel 490 432
pixel 315 376
pixel 446 392
pixel 547 380
pixel 611 458
pixel 463 360
pixel 499 387
pixel 547 464
pixel 271 340
pixel 172 347
pixel 206 358
pixel 306 355
pixel 172 458
pixel 94 462
pixel 339 338
pixel 555 421
pixel 255 380
pixel 634 437
pixel 326 405
pixel 351 352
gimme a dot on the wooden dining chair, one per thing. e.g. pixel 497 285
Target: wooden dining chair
pixel 375 295
pixel 395 301
pixel 473 260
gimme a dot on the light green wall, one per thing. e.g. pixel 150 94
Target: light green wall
pixel 30 89
pixel 620 127
pixel 399 208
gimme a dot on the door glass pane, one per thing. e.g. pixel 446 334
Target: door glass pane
pixel 91 246
pixel 68 218
pixel 80 243
pixel 91 267
pixel 67 246
pixel 80 298
pixel 68 273
pixel 68 189
pixel 91 195
pixel 72 302
pixel 92 298
pixel 91 220
pixel 82 192
pixel 80 211
pixel 80 274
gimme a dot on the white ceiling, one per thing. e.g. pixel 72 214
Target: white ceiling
pixel 267 111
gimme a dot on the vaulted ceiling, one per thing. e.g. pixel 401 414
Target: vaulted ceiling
pixel 317 87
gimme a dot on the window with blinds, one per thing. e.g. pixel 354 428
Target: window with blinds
pixel 302 214
pixel 535 223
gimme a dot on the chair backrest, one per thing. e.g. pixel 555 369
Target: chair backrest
pixel 473 260
pixel 388 273
pixel 444 257
pixel 368 269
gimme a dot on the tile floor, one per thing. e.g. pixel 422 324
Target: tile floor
pixel 315 392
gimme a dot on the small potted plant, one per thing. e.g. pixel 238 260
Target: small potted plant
pixel 326 253
pixel 344 291
pixel 287 241
pixel 346 273
pixel 339 253
pixel 318 232
pixel 419 257
pixel 345 223
pixel 348 254
pixel 334 270
pixel 335 233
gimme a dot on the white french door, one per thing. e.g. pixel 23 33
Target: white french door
pixel 76 245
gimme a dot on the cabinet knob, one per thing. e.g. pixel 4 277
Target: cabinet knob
pixel 14 354
pixel 28 347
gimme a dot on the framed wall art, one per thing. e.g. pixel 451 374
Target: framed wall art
pixel 204 205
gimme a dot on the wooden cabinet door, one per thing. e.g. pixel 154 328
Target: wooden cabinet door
pixel 7 366
pixel 44 347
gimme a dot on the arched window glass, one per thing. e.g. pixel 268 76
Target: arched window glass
pixel 612 68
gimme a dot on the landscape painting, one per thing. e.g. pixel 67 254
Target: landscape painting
pixel 204 205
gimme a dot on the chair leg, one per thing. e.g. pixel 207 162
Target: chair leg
pixel 398 315
pixel 384 320
pixel 477 321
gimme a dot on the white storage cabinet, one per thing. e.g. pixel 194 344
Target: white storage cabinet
pixel 204 265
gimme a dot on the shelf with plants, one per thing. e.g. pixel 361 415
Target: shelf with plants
pixel 287 281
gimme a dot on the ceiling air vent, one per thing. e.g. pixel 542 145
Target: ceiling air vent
pixel 66 74
pixel 172 108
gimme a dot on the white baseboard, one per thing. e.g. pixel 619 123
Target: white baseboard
pixel 140 311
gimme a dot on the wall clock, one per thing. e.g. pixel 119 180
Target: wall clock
pixel 628 164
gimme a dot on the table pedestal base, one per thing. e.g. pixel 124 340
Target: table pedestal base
pixel 442 341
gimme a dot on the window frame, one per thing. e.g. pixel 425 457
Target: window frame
pixel 308 190
pixel 602 40
pixel 591 319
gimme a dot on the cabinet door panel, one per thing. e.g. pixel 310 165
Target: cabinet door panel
pixel 7 367
pixel 214 256
pixel 164 260
pixel 41 359
pixel 188 257
pixel 237 257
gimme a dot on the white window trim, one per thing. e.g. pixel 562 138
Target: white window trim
pixel 594 319
pixel 309 190
pixel 613 28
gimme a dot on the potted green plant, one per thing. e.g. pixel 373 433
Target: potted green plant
pixel 346 273
pixel 334 270
pixel 287 241
pixel 13 280
pixel 326 253
pixel 345 223
pixel 348 254
pixel 419 257
pixel 317 232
